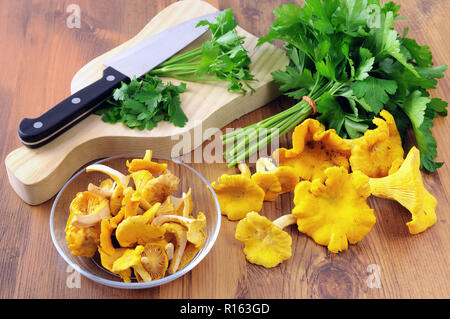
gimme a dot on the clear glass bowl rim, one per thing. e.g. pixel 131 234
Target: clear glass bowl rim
pixel 141 285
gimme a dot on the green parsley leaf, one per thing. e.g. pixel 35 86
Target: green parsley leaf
pixel 353 16
pixel 427 146
pixel 421 111
pixel 439 106
pixel 355 127
pixel 332 114
pixel 415 107
pixel 292 78
pixel 374 91
pixel 421 55
pixel 388 42
pixel 366 64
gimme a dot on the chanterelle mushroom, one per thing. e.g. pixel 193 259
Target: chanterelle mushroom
pixel 238 194
pixel 314 150
pixel 155 260
pixel 286 175
pixel 195 227
pixel 107 184
pixel 83 241
pixel 141 178
pixel 131 258
pixel 406 187
pixel 189 253
pixel 157 190
pixel 376 151
pixel 108 259
pixel 181 240
pixel 267 181
pixel 108 253
pixel 105 237
pixel 146 164
pixel 115 201
pixel 130 202
pixel 105 189
pixel 266 243
pixel 181 206
pixel 333 209
pixel 117 176
pixel 88 209
pixel 138 229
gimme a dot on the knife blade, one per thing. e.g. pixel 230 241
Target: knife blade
pixel 133 62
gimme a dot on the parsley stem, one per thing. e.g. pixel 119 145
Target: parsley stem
pixel 190 79
pixel 192 55
pixel 279 125
pixel 266 123
pixel 174 68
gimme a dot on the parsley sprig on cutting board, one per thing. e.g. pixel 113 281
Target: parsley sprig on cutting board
pixel 347 57
pixel 144 102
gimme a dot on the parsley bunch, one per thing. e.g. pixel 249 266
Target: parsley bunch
pixel 223 58
pixel 144 102
pixel 347 57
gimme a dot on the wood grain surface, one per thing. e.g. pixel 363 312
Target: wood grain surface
pixel 39 57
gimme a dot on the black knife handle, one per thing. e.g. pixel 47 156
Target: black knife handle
pixel 39 131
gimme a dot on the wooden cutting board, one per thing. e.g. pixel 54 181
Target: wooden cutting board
pixel 37 175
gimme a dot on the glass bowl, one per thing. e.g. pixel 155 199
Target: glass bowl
pixel 203 197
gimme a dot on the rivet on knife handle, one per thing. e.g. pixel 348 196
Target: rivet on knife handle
pixel 39 131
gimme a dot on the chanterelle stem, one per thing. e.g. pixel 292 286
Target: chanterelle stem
pixel 245 170
pixel 285 220
pixel 169 251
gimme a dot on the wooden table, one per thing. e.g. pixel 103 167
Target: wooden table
pixel 40 55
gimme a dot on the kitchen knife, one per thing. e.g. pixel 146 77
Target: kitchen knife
pixel 134 62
